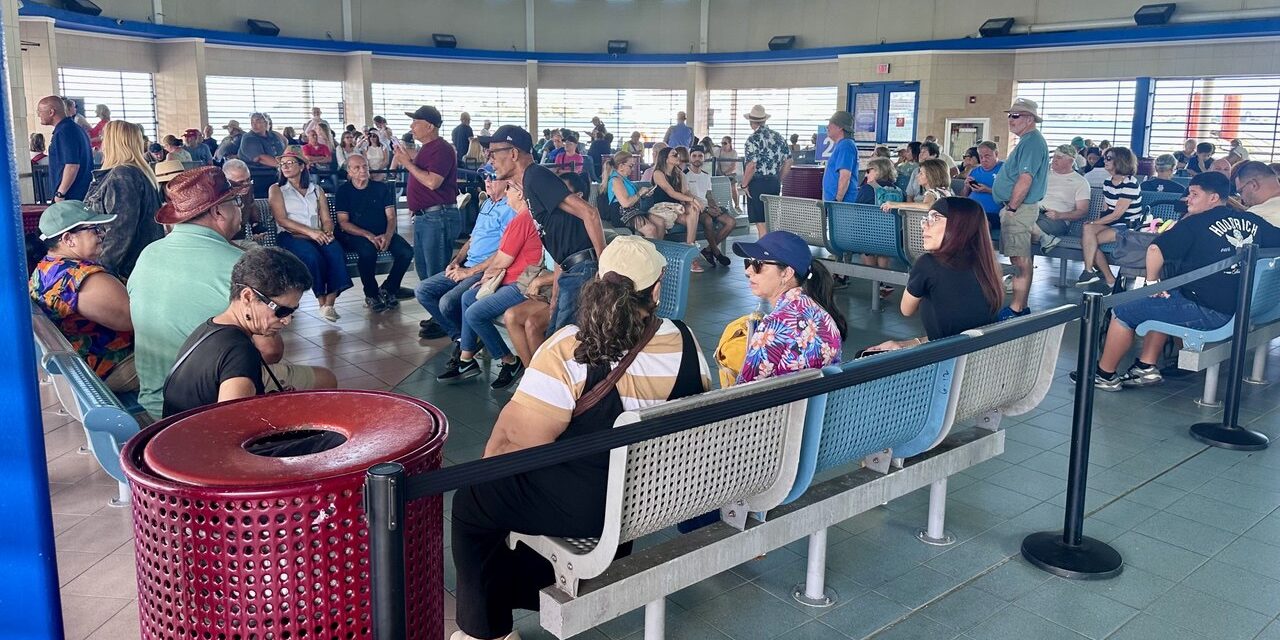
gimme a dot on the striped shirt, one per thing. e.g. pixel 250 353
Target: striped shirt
pixel 1128 188
pixel 554 380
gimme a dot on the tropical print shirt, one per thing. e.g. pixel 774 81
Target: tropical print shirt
pixel 55 287
pixel 768 149
pixel 797 334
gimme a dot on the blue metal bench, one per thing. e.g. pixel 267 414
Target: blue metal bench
pixel 1161 203
pixel 674 293
pixel 85 397
pixel 1206 350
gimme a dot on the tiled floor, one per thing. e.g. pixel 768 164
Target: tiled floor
pixel 1199 527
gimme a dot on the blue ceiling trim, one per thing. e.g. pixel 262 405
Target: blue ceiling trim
pixel 1121 35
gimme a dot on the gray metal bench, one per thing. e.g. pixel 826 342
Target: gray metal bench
pixel 85 397
pixel 1161 203
pixel 268 237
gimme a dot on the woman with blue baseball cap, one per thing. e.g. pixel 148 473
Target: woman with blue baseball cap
pixel 804 327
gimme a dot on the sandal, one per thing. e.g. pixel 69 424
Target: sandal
pixel 886 291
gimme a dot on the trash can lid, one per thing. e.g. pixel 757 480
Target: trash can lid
pixel 268 440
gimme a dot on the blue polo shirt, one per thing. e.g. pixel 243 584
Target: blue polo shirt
pixel 70 145
pixel 987 178
pixel 843 156
pixel 487 234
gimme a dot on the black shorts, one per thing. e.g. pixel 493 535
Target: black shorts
pixel 760 185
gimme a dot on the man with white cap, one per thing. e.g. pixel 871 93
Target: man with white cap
pixel 1020 186
pixel 768 159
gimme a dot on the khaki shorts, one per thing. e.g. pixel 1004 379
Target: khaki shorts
pixel 293 377
pixel 1015 230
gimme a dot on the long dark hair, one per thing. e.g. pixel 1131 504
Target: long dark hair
pixel 820 286
pixel 304 178
pixel 676 177
pixel 611 317
pixel 966 245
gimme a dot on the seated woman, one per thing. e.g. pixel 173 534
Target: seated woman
pixel 803 327
pixel 570 161
pixel 1122 212
pixel 88 304
pixel 934 180
pixel 629 204
pixel 672 195
pixel 520 248
pixel 657 148
pixel 880 185
pixel 955 286
pixel 173 150
pixel 616 322
pixel 301 212
pixel 219 361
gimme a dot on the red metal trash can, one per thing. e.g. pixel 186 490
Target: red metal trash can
pixel 804 181
pixel 232 544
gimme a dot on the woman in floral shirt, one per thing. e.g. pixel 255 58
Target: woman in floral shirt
pixel 804 327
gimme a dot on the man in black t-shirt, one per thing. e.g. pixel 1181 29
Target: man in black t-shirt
pixel 1208 232
pixel 367 218
pixel 461 137
pixel 571 230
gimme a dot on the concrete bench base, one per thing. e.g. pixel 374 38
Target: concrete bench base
pixel 1210 359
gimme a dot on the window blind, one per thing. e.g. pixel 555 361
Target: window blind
pixel 129 96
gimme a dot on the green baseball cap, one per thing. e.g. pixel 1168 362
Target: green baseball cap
pixel 64 216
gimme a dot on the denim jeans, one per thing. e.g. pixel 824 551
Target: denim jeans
pixel 327 263
pixel 367 262
pixel 570 285
pixel 442 298
pixel 478 317
pixel 433 236
pixel 1176 309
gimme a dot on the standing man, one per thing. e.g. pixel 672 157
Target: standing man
pixel 259 148
pixel 679 134
pixel 768 160
pixel 380 128
pixel 1020 186
pixel 432 192
pixel 367 218
pixel 842 167
pixel 229 148
pixel 199 152
pixel 70 154
pixel 571 230
pixel 486 132
pixel 461 136
pixel 314 123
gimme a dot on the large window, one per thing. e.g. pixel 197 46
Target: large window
pixel 801 111
pixel 1096 110
pixel 129 96
pixel 1217 110
pixel 287 101
pixel 501 105
pixel 649 111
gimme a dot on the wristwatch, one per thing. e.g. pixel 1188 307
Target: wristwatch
pixel 59 194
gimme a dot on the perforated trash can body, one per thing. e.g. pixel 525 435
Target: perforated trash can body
pixel 231 545
pixel 804 181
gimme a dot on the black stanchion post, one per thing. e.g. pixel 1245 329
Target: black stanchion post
pixel 384 491
pixel 1071 554
pixel 1229 434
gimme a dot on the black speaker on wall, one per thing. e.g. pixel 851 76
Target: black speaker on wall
pixel 996 27
pixel 1154 14
pixel 82 6
pixel 782 43
pixel 444 40
pixel 262 27
pixel 617 47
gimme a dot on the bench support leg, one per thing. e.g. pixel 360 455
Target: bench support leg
pixel 1062 273
pixel 1210 396
pixel 1259 374
pixel 655 620
pixel 814 592
pixel 123 498
pixel 935 533
pixel 875 295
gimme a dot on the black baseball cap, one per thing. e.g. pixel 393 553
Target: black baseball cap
pixel 518 137
pixel 428 113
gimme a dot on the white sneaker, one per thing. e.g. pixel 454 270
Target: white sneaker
pixel 329 313
pixel 459 635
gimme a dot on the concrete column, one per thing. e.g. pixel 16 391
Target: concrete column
pixel 180 85
pixel 531 95
pixel 357 88
pixel 33 74
pixel 697 98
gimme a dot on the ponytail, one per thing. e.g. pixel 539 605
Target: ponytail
pixel 820 286
pixel 611 318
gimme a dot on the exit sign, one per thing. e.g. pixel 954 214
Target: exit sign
pixel 882 68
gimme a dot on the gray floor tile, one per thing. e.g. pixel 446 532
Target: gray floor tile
pixel 917 587
pixel 1240 495
pixel 1253 555
pixel 1207 615
pixel 1156 495
pixel 863 615
pixel 1028 482
pixel 1124 513
pixel 994 499
pixel 1245 588
pixel 814 630
pixel 1272 632
pixel 1134 587
pixel 1145 627
pixel 1014 623
pixel 696 594
pixel 1076 608
pixel 749 612
pixel 1188 534
pixel 916 627
pixel 1266 530
pixel 866 562
pixel 782 582
pixel 1214 513
pixel 963 608
pixel 1011 580
pixel 1161 558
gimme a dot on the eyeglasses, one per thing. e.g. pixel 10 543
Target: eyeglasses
pixel 1015 116
pixel 95 229
pixel 932 218
pixel 280 310
pixel 488 176
pixel 757 265
pixel 290 163
pixel 1108 158
pixel 492 150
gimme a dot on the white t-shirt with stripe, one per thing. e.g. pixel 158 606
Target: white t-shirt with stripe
pixel 554 381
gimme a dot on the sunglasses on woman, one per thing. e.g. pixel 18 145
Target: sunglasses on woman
pixel 757 265
pixel 281 311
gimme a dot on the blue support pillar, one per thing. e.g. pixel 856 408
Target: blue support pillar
pixel 1142 99
pixel 28 567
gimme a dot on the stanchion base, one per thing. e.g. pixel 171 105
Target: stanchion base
pixel 1216 404
pixel 1235 438
pixel 1257 382
pixel 828 597
pixel 945 541
pixel 1092 560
